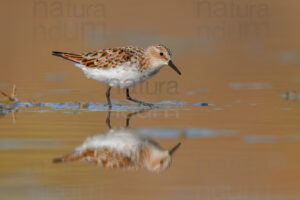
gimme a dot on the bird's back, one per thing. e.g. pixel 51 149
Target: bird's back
pixel 104 58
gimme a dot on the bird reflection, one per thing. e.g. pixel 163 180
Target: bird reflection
pixel 122 148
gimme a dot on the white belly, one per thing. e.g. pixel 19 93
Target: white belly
pixel 120 77
pixel 122 139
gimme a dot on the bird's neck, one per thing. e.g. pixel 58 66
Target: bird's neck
pixel 150 66
pixel 145 63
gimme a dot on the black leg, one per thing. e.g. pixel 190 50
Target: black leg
pixel 128 97
pixel 108 96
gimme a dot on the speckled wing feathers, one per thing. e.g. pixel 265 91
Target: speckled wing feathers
pixel 104 157
pixel 105 58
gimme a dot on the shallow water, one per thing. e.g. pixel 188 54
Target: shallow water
pixel 235 108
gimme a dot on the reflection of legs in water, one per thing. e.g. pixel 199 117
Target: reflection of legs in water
pixel 108 118
pixel 128 117
pixel 136 113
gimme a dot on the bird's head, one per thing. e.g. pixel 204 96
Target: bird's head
pixel 160 160
pixel 159 56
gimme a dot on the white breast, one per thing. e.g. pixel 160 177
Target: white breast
pixel 123 76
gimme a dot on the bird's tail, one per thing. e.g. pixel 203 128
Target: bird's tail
pixel 76 58
pixel 58 160
pixel 75 156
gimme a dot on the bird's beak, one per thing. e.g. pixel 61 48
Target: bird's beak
pixel 171 64
pixel 174 148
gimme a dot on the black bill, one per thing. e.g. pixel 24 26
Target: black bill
pixel 171 64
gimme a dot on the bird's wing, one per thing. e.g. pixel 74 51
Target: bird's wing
pixel 104 157
pixel 104 58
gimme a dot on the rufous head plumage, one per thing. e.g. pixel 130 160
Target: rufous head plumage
pixel 159 56
pixel 160 160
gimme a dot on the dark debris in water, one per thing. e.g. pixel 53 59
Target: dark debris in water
pixel 291 95
pixel 203 104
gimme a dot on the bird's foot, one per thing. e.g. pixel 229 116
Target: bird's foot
pixel 147 104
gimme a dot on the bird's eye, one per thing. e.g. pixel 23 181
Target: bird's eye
pixel 161 162
pixel 161 53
